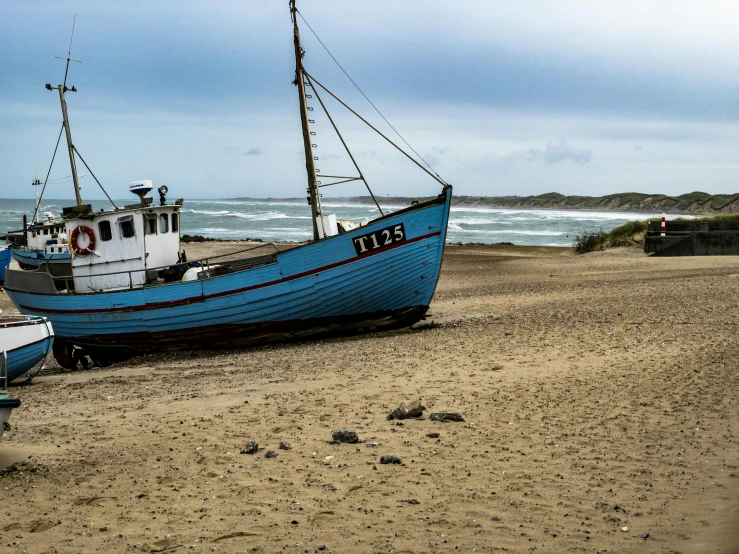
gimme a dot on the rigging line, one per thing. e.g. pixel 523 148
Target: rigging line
pixel 340 182
pixel 365 96
pixel 48 172
pixel 60 179
pixel 406 154
pixel 93 176
pixel 361 175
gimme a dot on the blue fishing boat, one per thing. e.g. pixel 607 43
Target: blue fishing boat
pixel 4 263
pixel 33 258
pixel 43 241
pixel 130 290
pixel 25 341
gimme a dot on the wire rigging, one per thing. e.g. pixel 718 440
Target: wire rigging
pixel 35 212
pixel 365 96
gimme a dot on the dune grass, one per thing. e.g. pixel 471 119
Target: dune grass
pixel 721 217
pixel 623 235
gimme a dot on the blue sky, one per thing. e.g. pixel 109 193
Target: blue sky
pixel 502 98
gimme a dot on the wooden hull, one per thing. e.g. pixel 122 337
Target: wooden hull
pixel 25 341
pixel 33 259
pixel 337 285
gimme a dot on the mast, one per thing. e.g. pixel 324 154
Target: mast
pixel 70 145
pixel 314 197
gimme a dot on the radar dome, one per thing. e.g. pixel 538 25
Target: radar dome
pixel 141 188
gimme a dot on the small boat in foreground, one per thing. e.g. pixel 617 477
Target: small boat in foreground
pixel 25 341
pixel 130 290
pixel 7 405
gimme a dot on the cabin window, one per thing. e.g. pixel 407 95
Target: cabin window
pixel 105 232
pixel 126 226
pixel 163 223
pixel 175 223
pixel 46 231
pixel 150 224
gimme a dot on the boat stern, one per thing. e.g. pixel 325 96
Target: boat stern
pixel 7 405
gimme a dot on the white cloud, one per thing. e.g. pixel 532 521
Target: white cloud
pixel 555 153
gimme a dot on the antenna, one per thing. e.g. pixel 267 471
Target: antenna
pixel 36 182
pixel 69 54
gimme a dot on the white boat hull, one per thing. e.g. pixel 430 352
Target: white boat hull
pixel 25 340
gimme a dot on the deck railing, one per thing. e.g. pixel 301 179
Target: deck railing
pixel 205 264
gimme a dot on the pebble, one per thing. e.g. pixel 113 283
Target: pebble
pixel 414 409
pixel 286 446
pixel 624 529
pixel 390 460
pixel 270 454
pixel 250 448
pixel 644 535
pixel 446 416
pixel 345 435
pixel 433 435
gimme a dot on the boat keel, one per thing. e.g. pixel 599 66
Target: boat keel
pixel 106 349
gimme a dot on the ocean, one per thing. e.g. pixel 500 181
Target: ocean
pixel 289 220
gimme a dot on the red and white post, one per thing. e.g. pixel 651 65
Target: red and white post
pixel 662 227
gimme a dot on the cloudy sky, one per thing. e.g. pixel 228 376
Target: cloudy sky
pixel 501 98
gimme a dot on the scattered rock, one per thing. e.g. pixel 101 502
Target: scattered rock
pixel 624 529
pixel 414 409
pixel 390 460
pixel 250 448
pixel 345 435
pixel 411 501
pixel 446 416
pixel 371 445
pixel 644 536
pixel 495 518
pixel 433 435
pixel 270 454
pixel 285 446
pixel 322 547
pixel 201 238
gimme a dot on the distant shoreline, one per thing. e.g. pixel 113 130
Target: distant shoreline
pixel 694 203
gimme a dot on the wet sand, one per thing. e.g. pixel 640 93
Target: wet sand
pixel 601 402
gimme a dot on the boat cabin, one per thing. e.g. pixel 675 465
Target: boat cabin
pixel 122 248
pixel 48 237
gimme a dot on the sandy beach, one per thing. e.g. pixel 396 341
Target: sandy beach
pixel 600 397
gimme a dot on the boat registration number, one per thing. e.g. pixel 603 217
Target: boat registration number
pixel 379 239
